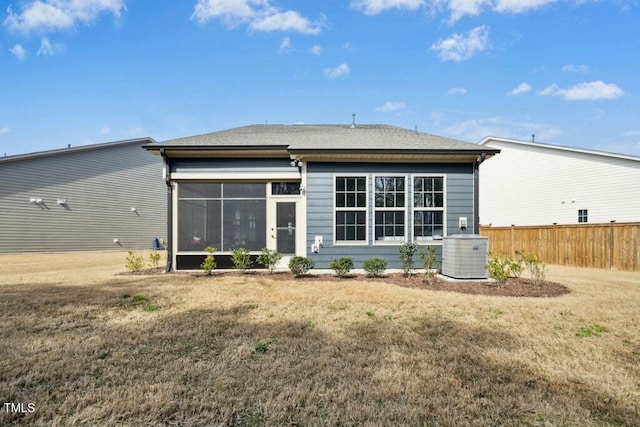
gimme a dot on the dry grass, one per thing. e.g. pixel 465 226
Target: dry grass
pixel 254 350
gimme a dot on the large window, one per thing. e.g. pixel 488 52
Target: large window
pixel 351 208
pixel 390 202
pixel 428 208
pixel 223 215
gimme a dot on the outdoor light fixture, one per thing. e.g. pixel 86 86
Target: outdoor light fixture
pixel 33 200
pixel 134 210
pixel 61 202
pixel 116 241
pixel 296 163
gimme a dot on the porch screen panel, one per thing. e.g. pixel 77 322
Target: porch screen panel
pixel 223 215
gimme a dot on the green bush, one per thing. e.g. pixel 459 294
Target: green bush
pixel 342 266
pixel 269 258
pixel 499 268
pixel 537 269
pixel 134 263
pixel 428 256
pixel 154 258
pixel 374 266
pixel 300 265
pixel 210 261
pixel 407 251
pixel 241 259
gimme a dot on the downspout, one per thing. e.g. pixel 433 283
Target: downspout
pixel 476 192
pixel 167 180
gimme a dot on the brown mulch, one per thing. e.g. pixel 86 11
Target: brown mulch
pixel 511 288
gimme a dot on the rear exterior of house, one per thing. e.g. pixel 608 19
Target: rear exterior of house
pixel 322 191
pixel 99 197
pixel 540 184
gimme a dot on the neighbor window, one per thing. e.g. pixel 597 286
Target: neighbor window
pixel 223 215
pixel 390 202
pixel 428 207
pixel 582 215
pixel 351 208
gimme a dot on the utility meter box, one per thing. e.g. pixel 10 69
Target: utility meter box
pixel 465 256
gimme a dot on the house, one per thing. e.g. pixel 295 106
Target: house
pixel 531 183
pixel 321 191
pixel 88 198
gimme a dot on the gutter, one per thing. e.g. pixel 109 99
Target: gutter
pixel 476 192
pixel 167 180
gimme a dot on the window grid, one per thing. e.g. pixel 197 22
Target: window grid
pixel 350 203
pixel 428 208
pixel 582 215
pixel 390 208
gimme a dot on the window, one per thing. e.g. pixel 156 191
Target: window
pixel 223 215
pixel 351 208
pixel 428 207
pixel 582 215
pixel 390 197
pixel 285 188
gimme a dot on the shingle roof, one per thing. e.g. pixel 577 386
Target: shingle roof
pixel 324 137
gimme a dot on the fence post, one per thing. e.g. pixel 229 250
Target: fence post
pixel 555 244
pixel 511 241
pixel 611 244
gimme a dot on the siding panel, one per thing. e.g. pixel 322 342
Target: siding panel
pixel 100 185
pixel 320 209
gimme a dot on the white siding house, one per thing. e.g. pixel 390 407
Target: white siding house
pixel 539 184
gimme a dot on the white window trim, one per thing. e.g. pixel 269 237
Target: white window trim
pixel 438 242
pixel 364 242
pixel 405 209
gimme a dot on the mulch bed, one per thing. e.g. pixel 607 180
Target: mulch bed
pixel 511 288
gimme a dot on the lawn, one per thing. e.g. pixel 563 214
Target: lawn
pixel 85 345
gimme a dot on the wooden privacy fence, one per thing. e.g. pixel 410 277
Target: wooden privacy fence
pixel 609 246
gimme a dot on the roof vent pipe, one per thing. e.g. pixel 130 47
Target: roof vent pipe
pixel 353 124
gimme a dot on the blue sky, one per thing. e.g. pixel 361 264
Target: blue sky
pixel 87 71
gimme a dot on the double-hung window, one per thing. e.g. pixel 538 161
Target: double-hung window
pixel 428 207
pixel 351 209
pixel 390 208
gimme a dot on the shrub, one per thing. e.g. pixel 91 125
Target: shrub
pixel 210 261
pixel 134 263
pixel 269 258
pixel 499 268
pixel 154 258
pixel 300 265
pixel 407 250
pixel 537 269
pixel 428 256
pixel 241 259
pixel 342 266
pixel 374 266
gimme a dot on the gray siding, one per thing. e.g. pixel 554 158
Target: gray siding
pixel 320 209
pixel 100 185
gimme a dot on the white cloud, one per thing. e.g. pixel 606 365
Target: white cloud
pixel 478 129
pixel 459 47
pixel 47 49
pixel 285 45
pixel 53 15
pixel 519 6
pixel 19 52
pixel 375 7
pixel 570 68
pixel 286 21
pixel 341 70
pixel 591 91
pixel 460 8
pixel 633 133
pixel 317 50
pixel 259 15
pixel 4 130
pixel 457 91
pixel 629 148
pixel 390 106
pixel 105 130
pixel 519 90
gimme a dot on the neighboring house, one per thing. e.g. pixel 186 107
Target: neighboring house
pixel 539 184
pixel 87 198
pixel 321 191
